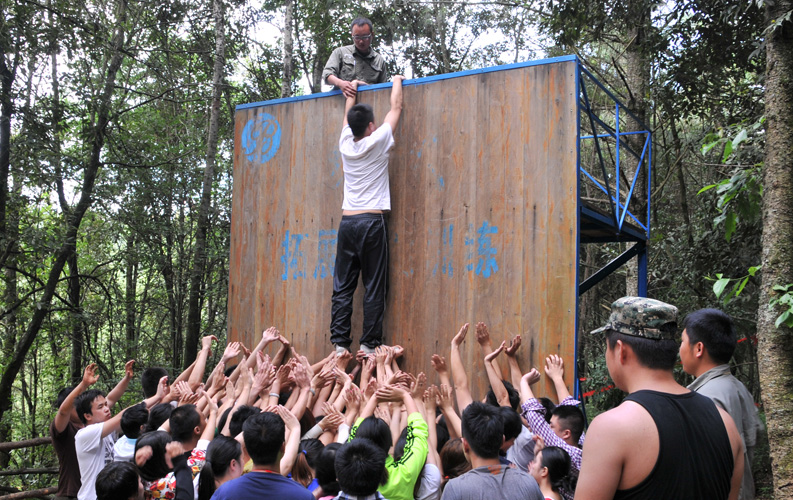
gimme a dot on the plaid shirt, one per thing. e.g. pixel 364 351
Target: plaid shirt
pixel 534 413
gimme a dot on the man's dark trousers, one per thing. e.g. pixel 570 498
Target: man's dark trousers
pixel 362 247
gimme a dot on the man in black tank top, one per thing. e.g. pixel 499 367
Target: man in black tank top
pixel 663 441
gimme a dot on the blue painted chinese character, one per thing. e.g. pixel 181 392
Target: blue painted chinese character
pixel 448 244
pixel 326 251
pixel 487 264
pixel 293 258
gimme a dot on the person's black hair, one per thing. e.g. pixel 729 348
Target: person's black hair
pixel 549 406
pixel 652 354
pixel 358 118
pixel 325 470
pixel 117 481
pixel 264 435
pixel 283 397
pixel 514 396
pixel 183 420
pixel 442 434
pixel 239 417
pixel 155 467
pixel 512 422
pixel 158 414
pixel 220 452
pixel 306 460
pixel 483 429
pixel 62 395
pixel 84 402
pixel 150 378
pixel 558 462
pixel 223 418
pixel 361 21
pixel 375 430
pixel 307 422
pixel 570 418
pixel 133 419
pixel 360 467
pixel 229 370
pixel 715 330
pixel 399 447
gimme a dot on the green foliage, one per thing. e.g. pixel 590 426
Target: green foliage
pixel 784 299
pixel 740 195
pixel 721 283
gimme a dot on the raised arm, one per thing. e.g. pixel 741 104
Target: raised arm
pixel 65 410
pixel 512 360
pixel 392 118
pixel 459 376
pixel 350 99
pixel 197 376
pixel 494 376
pixel 120 388
pixel 554 369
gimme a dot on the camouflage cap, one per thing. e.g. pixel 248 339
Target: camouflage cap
pixel 642 317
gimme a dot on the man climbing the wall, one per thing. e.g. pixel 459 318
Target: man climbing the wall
pixel 355 62
pixel 363 239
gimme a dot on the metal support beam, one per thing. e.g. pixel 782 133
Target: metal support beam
pixel 615 264
pixel 642 245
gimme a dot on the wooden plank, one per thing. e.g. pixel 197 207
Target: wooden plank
pixel 482 227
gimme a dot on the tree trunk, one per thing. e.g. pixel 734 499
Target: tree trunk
pixel 131 281
pixel 76 317
pixel 286 84
pixel 637 78
pixel 202 226
pixel 775 345
pixel 97 138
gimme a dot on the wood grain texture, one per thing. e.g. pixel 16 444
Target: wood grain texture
pixel 482 227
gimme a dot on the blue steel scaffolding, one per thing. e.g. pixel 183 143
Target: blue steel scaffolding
pixel 607 132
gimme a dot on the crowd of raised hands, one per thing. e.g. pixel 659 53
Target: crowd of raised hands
pixel 324 401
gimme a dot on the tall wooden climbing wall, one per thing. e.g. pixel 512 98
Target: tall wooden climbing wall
pixel 483 224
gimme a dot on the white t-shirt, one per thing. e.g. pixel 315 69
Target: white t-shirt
pixel 521 453
pixel 124 449
pixel 366 169
pixel 430 487
pixel 93 453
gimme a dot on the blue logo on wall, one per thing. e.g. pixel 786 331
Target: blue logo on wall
pixel 261 138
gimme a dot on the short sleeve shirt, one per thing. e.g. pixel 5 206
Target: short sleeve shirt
pixel 365 165
pixel 93 453
pixel 68 469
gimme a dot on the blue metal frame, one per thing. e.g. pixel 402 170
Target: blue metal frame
pixel 619 207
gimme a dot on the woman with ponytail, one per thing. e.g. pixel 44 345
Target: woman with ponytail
pixel 303 470
pixel 223 463
pixel 551 469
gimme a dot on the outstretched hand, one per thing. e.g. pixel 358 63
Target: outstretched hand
pixel 90 376
pixel 532 377
pixel 458 339
pixel 482 334
pixel 554 367
pixel 349 89
pixel 512 349
pixel 129 369
pixel 493 355
pixel 439 363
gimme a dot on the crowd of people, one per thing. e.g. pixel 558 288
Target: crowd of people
pixel 358 427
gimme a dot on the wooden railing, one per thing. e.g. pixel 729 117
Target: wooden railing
pixel 13 493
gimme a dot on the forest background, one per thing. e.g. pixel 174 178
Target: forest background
pixel 116 172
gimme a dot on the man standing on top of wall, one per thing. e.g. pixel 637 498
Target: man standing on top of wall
pixel 363 238
pixel 356 62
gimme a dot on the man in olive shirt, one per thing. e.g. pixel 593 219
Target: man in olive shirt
pixel 355 62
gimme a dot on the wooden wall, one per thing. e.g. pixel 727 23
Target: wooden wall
pixel 482 228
